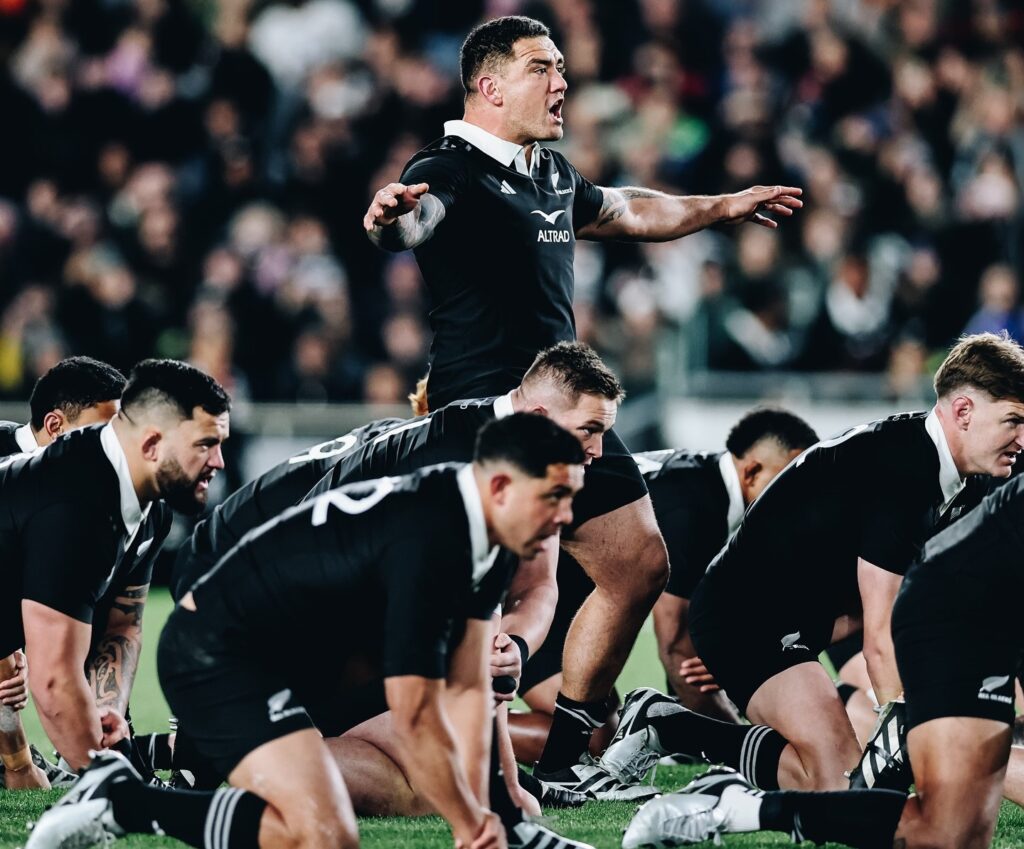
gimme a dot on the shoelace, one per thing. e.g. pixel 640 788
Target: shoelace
pixel 696 827
pixel 637 767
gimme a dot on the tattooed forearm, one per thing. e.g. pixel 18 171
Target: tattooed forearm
pixel 113 671
pixel 116 658
pixel 411 229
pixel 616 202
pixel 131 603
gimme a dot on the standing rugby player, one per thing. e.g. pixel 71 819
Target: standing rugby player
pixel 493 218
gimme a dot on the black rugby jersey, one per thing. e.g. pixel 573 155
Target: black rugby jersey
pixel 499 267
pixel 872 493
pixel 262 499
pixel 449 435
pixel 381 571
pixel 9 441
pixel 692 507
pixel 63 540
pixel 998 520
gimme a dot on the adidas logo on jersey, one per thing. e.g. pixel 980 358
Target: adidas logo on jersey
pixel 506 189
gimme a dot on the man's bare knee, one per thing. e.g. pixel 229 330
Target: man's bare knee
pixel 642 580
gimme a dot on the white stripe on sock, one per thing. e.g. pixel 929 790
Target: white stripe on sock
pixel 229 814
pixel 211 816
pixel 749 749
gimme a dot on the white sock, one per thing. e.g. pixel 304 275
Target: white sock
pixel 743 809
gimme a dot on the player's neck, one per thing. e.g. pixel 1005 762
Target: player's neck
pixel 952 434
pixel 144 488
pixel 481 479
pixel 493 124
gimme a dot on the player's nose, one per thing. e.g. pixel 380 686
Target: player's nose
pixel 564 516
pixel 216 458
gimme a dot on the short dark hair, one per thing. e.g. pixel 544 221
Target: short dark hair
pixel 73 385
pixel 490 44
pixel 786 428
pixel 986 361
pixel 577 370
pixel 174 384
pixel 529 442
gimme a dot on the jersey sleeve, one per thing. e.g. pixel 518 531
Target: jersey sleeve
pixel 147 549
pixel 893 534
pixel 587 199
pixel 682 527
pixel 444 173
pixel 65 560
pixel 488 596
pixel 422 585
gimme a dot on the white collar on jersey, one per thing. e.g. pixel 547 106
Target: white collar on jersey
pixel 483 558
pixel 506 152
pixel 732 486
pixel 503 406
pixel 132 513
pixel 26 439
pixel 950 481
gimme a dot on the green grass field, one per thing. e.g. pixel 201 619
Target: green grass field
pixel 599 823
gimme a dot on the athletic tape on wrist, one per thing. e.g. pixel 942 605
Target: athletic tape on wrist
pixel 524 650
pixel 19 760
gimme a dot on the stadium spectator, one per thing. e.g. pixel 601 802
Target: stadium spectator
pixel 152 141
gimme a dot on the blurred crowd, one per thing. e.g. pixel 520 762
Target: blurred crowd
pixel 187 177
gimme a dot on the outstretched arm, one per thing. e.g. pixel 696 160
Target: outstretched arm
pixel 401 217
pixel 645 215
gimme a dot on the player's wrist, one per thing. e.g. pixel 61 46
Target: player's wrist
pixel 524 648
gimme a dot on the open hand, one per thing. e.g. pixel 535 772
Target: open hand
pixel 752 204
pixel 391 202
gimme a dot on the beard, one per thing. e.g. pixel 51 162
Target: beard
pixel 179 490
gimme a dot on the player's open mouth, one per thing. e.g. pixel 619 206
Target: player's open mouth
pixel 556 111
pixel 203 484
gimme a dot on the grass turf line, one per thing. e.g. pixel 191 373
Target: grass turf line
pixel 598 823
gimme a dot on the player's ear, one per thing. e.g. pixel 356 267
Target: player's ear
pixel 499 486
pixel 54 423
pixel 751 469
pixel 963 406
pixel 150 446
pixel 489 90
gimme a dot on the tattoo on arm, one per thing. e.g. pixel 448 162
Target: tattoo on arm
pixel 616 203
pixel 116 659
pixel 411 229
